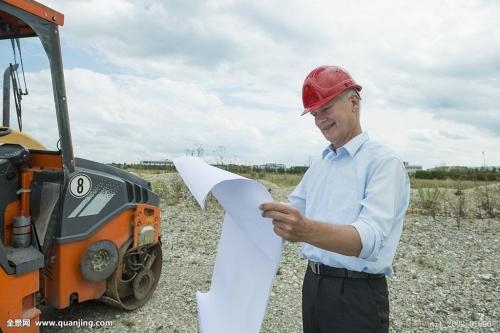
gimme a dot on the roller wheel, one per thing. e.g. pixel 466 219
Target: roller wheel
pixel 136 277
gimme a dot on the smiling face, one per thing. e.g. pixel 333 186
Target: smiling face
pixel 338 120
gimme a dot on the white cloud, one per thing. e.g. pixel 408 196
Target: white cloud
pixel 155 78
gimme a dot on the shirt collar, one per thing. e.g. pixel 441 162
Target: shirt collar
pixel 351 147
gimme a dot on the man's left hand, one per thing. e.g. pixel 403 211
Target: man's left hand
pixel 288 222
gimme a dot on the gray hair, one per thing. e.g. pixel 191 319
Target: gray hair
pixel 343 96
pixel 349 93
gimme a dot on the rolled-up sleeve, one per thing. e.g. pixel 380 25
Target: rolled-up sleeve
pixel 385 200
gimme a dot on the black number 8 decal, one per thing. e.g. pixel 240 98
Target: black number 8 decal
pixel 80 185
pixel 79 188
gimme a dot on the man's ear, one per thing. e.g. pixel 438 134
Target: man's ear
pixel 354 103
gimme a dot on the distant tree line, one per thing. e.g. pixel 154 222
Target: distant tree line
pixel 460 173
pixel 141 166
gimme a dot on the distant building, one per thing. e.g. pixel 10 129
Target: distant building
pixel 270 167
pixel 165 162
pixel 412 168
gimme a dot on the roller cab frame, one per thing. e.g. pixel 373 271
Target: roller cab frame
pixel 71 229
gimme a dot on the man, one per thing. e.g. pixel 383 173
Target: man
pixel 348 210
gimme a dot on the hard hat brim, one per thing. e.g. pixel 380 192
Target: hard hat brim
pixel 319 104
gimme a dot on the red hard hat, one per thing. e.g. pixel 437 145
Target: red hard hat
pixel 323 84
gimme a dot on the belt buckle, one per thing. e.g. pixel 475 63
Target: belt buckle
pixel 315 267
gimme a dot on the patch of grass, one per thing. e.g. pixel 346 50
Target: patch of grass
pixel 429 263
pixel 127 322
pixel 430 199
pixel 280 179
pixel 442 183
pixel 487 200
pixel 172 190
pixel 459 209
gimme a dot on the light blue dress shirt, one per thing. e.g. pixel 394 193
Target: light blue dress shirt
pixel 363 184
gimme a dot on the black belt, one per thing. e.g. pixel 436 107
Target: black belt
pixel 320 269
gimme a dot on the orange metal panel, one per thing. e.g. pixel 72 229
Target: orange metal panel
pixel 62 276
pixel 146 215
pixel 39 10
pixel 45 161
pixel 26 179
pixel 17 300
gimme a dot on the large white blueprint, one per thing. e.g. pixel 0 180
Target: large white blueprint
pixel 248 254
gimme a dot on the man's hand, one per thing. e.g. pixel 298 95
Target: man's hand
pixel 288 222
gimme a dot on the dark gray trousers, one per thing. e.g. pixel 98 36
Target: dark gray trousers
pixel 344 305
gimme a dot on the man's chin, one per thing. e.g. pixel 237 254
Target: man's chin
pixel 329 138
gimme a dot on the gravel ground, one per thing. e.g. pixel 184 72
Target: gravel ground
pixel 446 279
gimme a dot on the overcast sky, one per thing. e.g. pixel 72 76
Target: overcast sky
pixel 149 80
